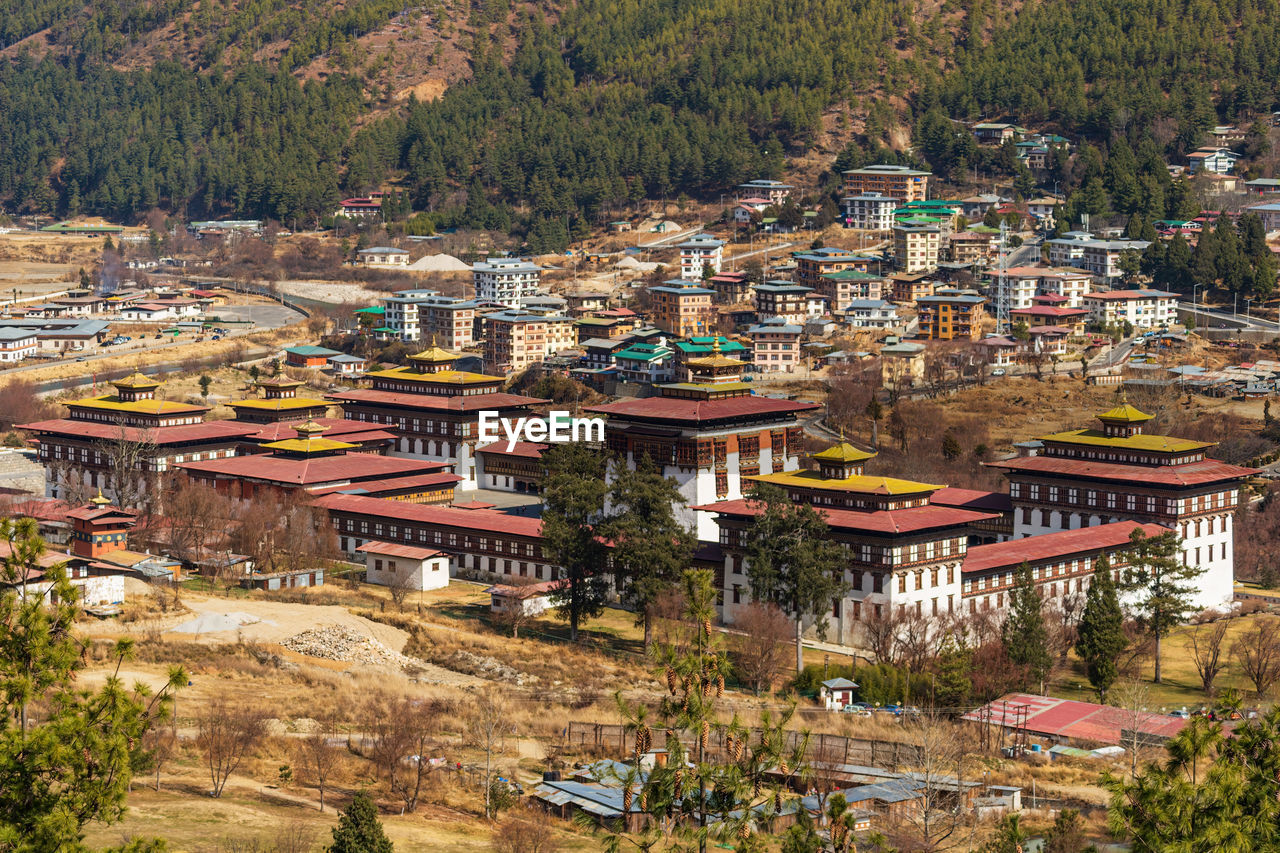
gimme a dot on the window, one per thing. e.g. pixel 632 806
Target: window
pixel 902 582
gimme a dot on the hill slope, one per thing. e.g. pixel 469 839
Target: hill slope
pixel 587 106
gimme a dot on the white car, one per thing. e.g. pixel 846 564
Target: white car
pixel 999 371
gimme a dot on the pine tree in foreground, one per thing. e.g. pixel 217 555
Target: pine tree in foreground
pixel 359 830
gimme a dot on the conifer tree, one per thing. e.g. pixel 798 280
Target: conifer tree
pixel 650 546
pixel 573 494
pixel 792 563
pixel 1024 634
pixel 1160 582
pixel 359 830
pixel 1101 632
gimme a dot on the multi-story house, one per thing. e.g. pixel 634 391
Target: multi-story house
pixel 1050 309
pixel 916 248
pixel 513 340
pixel 1101 258
pixel 682 308
pixel 1089 477
pixel 646 363
pixel 971 247
pixel 774 192
pixel 950 315
pixel 900 182
pixel 869 211
pixel 904 553
pixel 709 434
pixel 850 285
pixel 507 281
pixel 1215 161
pixel 775 345
pixel 731 287
pixel 996 133
pixel 698 254
pixel 783 299
pixel 871 314
pixel 1143 309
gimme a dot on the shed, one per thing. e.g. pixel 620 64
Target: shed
pixel 835 693
pixel 405 566
pixel 534 599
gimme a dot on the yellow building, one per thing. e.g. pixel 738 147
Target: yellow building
pixel 949 315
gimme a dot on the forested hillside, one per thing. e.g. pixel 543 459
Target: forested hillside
pixel 612 101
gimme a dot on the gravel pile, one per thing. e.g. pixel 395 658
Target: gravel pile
pixel 339 643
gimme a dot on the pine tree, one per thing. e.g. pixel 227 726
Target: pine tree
pixel 70 762
pixel 792 562
pixel 1024 634
pixel 1160 582
pixel 573 495
pixel 359 830
pixel 1101 632
pixel 650 546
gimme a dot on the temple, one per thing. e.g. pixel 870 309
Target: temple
pixel 710 434
pixel 313 464
pixel 904 551
pixel 433 409
pixel 78 450
pixel 1091 477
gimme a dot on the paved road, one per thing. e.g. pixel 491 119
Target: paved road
pixel 1213 318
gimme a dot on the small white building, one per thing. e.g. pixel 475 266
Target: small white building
pixel 835 693
pixel 531 599
pixel 168 309
pixel 346 365
pixel 407 566
pixel 871 314
pixel 382 257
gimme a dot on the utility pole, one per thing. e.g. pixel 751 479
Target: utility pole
pixel 1003 297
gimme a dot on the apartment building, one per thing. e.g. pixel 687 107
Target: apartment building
pixel 916 248
pixel 869 211
pixel 900 182
pixel 682 308
pixel 783 299
pixel 774 192
pixel 1100 258
pixel 508 281
pixel 776 345
pixel 950 315
pixel 850 285
pixel 416 315
pixel 1144 309
pixel 514 340
pixel 698 254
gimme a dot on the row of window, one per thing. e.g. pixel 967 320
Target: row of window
pixel 387 532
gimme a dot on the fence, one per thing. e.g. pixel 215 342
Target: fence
pixel 615 738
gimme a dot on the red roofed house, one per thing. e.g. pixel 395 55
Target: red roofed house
pixel 405 566
pixel 1091 477
pixel 1051 310
pixel 904 551
pixel 316 465
pixel 77 450
pixel 481 543
pixel 99 528
pixel 433 409
pixel 710 434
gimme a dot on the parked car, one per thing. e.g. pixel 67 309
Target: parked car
pixel 999 371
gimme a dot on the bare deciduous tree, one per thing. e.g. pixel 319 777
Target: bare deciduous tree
pixel 196 514
pixel 228 731
pixel 488 726
pixel 1257 650
pixel 127 456
pixel 822 774
pixel 938 815
pixel 880 635
pixel 283 534
pixel 1206 652
pixel 512 612
pixel 763 646
pixel 399 586
pixel 526 830
pixel 318 756
pixel 1134 697
pixel 1062 617
pixel 402 731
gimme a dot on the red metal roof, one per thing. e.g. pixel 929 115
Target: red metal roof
pixel 528 590
pixel 1190 474
pixel 41 509
pixel 1066 718
pixel 392 484
pixel 437 402
pixel 529 449
pixel 480 520
pixel 888 521
pixel 473 505
pixel 347 467
pixel 394 549
pixel 972 499
pixel 336 428
pixel 699 411
pixel 1055 546
pixel 94 513
pixel 211 431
